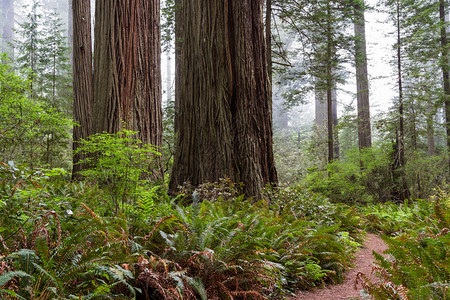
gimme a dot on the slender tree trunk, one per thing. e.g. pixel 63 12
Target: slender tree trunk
pixel 70 30
pixel 127 75
pixel 430 130
pixel 224 120
pixel 334 112
pixel 329 82
pixel 413 127
pixel 401 141
pixel 269 47
pixel 445 71
pixel 321 122
pixel 83 94
pixel 362 82
pixel 8 28
pixel 321 115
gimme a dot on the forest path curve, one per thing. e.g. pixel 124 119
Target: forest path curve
pixel 362 263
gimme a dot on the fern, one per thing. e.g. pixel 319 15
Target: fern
pixel 419 264
pixel 8 276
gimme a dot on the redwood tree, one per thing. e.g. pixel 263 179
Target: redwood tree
pixel 82 76
pixel 127 77
pixel 223 113
pixel 362 82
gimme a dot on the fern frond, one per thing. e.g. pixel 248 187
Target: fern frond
pixel 5 278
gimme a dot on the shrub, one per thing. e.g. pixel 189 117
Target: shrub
pixel 120 163
pixel 419 263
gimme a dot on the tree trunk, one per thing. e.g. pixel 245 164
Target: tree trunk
pixel 8 28
pixel 127 77
pixel 83 94
pixel 70 30
pixel 178 61
pixel 430 130
pixel 362 82
pixel 224 120
pixel 329 84
pixel 335 120
pixel 404 194
pixel 321 115
pixel 269 47
pixel 445 71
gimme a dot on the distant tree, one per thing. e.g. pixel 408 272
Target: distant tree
pixel 29 44
pixel 54 57
pixel 8 28
pixel 127 77
pixel 321 117
pixel 362 82
pixel 320 28
pixel 403 193
pixel 54 80
pixel 223 114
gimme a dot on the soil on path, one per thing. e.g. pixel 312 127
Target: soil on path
pixel 362 263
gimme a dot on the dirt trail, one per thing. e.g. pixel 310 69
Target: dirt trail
pixel 363 263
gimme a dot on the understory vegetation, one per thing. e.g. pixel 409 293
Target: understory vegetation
pixel 63 240
pixel 118 234
pixel 417 264
pixel 92 240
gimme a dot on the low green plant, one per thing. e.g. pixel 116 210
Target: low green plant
pixel 236 247
pixel 84 264
pixel 368 176
pixel 418 266
pixel 120 163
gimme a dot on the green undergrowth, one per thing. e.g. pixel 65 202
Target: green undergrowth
pixel 417 265
pixel 63 240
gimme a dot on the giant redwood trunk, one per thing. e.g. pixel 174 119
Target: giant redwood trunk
pixel 223 118
pixel 82 77
pixel 362 82
pixel 127 78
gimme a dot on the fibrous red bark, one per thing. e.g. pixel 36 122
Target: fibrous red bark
pixel 223 113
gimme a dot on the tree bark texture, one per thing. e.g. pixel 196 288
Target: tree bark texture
pixel 8 28
pixel 83 92
pixel 223 119
pixel 445 71
pixel 178 61
pixel 362 82
pixel 127 77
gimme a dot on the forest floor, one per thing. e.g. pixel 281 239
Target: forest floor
pixel 362 263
